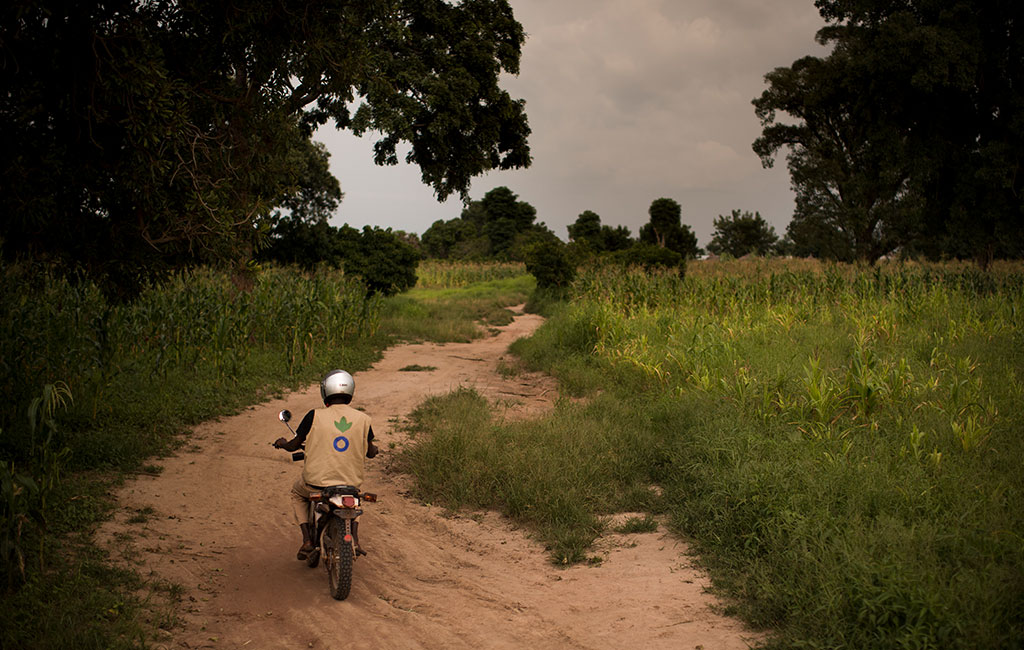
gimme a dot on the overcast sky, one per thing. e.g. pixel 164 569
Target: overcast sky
pixel 629 101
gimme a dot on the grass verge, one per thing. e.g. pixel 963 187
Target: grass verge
pixel 841 444
pixel 458 314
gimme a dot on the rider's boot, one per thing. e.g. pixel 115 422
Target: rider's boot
pixel 355 537
pixel 307 542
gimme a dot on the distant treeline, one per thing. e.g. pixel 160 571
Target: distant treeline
pixel 143 138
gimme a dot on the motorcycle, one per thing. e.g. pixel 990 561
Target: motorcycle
pixel 333 518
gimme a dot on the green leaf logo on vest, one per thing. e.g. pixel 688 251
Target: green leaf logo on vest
pixel 342 425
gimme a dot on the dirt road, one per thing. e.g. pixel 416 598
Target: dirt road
pixel 217 521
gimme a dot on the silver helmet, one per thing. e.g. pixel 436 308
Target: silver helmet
pixel 337 382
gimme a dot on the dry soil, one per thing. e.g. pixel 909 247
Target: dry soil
pixel 217 521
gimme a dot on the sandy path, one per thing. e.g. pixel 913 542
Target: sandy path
pixel 222 529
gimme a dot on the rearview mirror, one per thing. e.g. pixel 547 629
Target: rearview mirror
pixel 284 415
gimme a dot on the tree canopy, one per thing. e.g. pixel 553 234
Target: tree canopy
pixel 588 233
pixel 384 259
pixel 847 164
pixel 497 226
pixel 741 234
pixel 143 135
pixel 586 230
pixel 548 263
pixel 908 134
pixel 666 229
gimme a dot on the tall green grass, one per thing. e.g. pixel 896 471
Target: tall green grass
pixel 441 274
pixel 455 313
pixel 843 444
pixel 94 389
pixel 177 354
pixel 556 479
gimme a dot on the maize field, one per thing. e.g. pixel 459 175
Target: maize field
pixel 843 443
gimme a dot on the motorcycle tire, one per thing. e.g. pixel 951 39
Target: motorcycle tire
pixel 337 559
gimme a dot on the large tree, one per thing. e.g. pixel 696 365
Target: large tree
pixel 505 216
pixel 960 65
pixel 848 162
pixel 910 132
pixel 145 134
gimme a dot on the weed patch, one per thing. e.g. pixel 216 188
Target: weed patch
pixel 644 524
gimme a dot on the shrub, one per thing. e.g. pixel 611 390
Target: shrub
pixel 650 257
pixel 548 263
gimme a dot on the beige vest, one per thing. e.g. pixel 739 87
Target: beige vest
pixel 336 447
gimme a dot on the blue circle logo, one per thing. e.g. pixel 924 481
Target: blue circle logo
pixel 343 440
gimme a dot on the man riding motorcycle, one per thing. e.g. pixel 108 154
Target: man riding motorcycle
pixel 337 438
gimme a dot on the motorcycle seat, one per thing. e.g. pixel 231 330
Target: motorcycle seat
pixel 345 490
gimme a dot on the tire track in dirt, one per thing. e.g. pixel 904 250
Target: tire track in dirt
pixel 222 528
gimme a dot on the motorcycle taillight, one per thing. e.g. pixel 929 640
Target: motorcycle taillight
pixel 344 501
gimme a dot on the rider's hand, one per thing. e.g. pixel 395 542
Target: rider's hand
pixel 280 442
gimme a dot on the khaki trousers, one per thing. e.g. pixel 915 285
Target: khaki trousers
pixel 300 500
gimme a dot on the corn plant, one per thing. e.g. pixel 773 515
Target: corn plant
pixel 195 329
pixel 25 491
pixel 438 274
pixel 841 440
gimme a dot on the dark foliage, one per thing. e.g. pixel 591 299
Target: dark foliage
pixel 741 234
pixel 549 264
pixel 650 257
pixel 586 230
pixel 666 230
pixel 146 136
pixel 498 226
pixel 909 134
pixel 592 237
pixel 384 259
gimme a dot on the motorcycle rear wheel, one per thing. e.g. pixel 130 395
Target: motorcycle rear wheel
pixel 337 559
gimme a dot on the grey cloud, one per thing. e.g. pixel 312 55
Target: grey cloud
pixel 633 100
